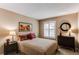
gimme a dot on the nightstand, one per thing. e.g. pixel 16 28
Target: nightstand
pixel 11 47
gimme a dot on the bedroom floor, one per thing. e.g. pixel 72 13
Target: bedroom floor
pixel 61 51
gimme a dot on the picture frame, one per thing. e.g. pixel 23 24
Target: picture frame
pixel 25 27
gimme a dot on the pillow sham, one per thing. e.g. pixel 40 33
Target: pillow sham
pixel 22 37
pixel 31 36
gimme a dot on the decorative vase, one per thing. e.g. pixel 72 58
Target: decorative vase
pixel 7 41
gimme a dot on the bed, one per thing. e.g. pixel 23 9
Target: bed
pixel 38 46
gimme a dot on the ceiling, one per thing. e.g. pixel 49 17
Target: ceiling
pixel 41 10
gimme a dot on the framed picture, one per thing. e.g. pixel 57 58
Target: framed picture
pixel 24 27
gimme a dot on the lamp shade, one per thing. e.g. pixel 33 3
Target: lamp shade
pixel 75 30
pixel 12 33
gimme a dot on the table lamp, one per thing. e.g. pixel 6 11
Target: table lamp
pixel 75 31
pixel 70 32
pixel 12 33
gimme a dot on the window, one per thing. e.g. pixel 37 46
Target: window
pixel 49 29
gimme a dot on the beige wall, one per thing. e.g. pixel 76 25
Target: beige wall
pixel 78 27
pixel 71 18
pixel 9 21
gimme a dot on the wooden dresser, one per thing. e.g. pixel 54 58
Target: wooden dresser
pixel 66 42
